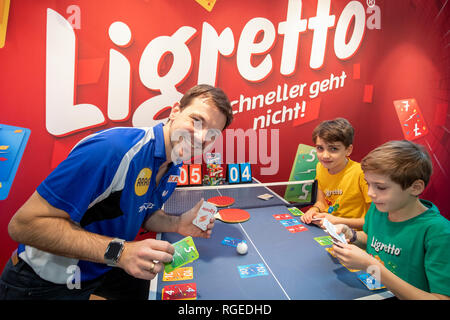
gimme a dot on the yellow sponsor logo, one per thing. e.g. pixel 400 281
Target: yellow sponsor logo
pixel 143 181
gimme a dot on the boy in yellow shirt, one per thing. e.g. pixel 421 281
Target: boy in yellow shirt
pixel 405 238
pixel 342 191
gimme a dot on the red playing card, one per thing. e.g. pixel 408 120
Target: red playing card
pixel 282 216
pixel 411 119
pixel 184 291
pixel 296 228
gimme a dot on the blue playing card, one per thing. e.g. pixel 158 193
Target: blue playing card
pixel 232 242
pixel 289 222
pixel 252 270
pixel 12 145
pixel 370 282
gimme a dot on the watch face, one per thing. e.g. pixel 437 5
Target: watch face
pixel 113 250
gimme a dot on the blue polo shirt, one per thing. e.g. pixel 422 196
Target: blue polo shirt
pixel 107 186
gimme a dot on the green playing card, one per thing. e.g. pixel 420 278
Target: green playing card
pixel 296 211
pixel 185 252
pixel 303 168
pixel 324 241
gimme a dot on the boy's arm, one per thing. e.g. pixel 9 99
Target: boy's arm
pixel 355 257
pixel 317 208
pixel 355 223
pixel 402 289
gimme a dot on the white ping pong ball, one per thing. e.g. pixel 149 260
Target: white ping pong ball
pixel 242 248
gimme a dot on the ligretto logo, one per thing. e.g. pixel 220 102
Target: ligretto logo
pixel 142 181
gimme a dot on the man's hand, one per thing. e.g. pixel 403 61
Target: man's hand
pixel 144 259
pixel 186 228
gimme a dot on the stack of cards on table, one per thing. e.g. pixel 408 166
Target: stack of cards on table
pixel 205 213
pixel 331 230
pixel 182 291
pixel 265 196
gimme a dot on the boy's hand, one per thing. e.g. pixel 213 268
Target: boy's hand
pixel 353 257
pixel 310 215
pixel 346 230
pixel 329 217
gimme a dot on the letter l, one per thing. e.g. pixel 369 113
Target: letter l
pixel 62 116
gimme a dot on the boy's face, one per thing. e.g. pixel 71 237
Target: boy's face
pixel 332 155
pixel 194 128
pixel 387 195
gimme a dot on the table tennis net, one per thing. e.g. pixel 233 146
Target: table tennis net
pixel 292 193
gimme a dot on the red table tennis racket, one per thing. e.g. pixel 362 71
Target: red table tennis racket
pixel 221 201
pixel 232 215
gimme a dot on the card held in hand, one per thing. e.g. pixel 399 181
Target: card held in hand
pixel 185 252
pixel 204 214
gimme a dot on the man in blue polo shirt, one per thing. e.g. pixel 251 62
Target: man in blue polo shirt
pixel 88 211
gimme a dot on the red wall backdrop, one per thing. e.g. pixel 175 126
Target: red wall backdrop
pixel 406 57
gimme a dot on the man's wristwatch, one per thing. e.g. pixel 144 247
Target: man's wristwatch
pixel 113 252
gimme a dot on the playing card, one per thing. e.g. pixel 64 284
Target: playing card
pixel 289 222
pixel 331 252
pixel 295 211
pixel 185 291
pixel 303 168
pixel 207 4
pixel 185 273
pixel 324 241
pixel 296 228
pixel 282 216
pixel 411 119
pixel 252 270
pixel 370 282
pixel 185 252
pixel 232 242
pixel 331 230
pixel 265 196
pixel 205 213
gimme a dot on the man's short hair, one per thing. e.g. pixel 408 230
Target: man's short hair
pixel 214 94
pixel 335 130
pixel 403 161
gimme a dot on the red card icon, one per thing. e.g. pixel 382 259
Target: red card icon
pixel 185 291
pixel 411 119
pixel 282 216
pixel 296 228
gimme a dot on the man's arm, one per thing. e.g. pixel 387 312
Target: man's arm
pixel 40 225
pixel 160 221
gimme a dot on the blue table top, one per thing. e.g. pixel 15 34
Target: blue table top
pixel 297 266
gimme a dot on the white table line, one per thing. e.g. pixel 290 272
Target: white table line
pixel 268 267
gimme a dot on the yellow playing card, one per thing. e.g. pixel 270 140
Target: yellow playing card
pixel 4 11
pixel 331 251
pixel 207 4
pixel 180 274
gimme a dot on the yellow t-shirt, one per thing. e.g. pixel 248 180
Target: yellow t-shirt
pixel 346 191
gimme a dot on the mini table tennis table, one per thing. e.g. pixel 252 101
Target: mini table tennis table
pixel 297 266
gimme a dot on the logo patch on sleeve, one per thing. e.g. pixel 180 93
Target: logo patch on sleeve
pixel 143 182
